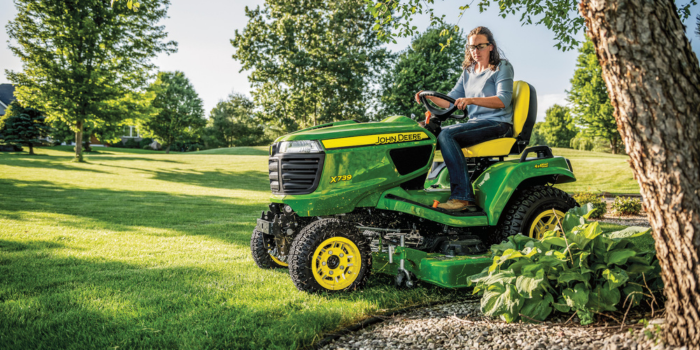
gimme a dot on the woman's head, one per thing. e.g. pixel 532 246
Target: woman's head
pixel 481 47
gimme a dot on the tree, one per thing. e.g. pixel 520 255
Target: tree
pixel 591 106
pixel 25 126
pixel 312 61
pixel 558 128
pixel 179 109
pixel 653 78
pixel 105 132
pixel 537 137
pixel 422 66
pixel 85 61
pixel 231 123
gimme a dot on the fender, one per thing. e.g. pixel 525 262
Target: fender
pixel 496 185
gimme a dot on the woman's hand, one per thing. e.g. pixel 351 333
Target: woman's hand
pixel 462 103
pixel 417 96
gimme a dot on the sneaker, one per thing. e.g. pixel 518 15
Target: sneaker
pixel 458 205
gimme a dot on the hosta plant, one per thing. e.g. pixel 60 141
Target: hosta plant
pixel 574 268
pixel 627 206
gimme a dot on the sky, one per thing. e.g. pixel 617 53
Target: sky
pixel 204 28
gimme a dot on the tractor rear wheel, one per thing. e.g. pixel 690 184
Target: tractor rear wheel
pixel 330 255
pixel 534 211
pixel 264 252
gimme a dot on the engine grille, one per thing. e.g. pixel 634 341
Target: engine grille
pixel 295 173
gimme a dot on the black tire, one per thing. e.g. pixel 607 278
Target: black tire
pixel 261 252
pixel 311 237
pixel 528 204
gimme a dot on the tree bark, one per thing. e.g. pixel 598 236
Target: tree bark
pixel 79 142
pixel 653 79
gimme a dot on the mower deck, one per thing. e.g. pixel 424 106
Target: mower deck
pixel 441 270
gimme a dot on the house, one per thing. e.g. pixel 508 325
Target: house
pixel 7 95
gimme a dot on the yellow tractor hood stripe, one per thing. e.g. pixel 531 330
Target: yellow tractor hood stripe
pixel 381 139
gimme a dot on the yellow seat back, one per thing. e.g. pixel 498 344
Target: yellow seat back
pixel 501 147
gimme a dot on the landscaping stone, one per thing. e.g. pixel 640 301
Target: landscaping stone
pixel 440 328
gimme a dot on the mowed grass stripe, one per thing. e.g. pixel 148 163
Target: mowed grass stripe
pixel 147 250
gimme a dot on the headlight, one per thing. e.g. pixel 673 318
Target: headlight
pixel 300 147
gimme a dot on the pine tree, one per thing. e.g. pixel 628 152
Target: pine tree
pixel 24 126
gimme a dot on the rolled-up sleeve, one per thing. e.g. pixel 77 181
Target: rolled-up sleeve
pixel 504 83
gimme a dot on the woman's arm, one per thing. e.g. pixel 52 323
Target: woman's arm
pixel 436 100
pixel 488 102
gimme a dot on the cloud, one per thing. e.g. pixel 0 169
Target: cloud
pixel 546 101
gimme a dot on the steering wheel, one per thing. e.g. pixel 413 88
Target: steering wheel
pixel 441 115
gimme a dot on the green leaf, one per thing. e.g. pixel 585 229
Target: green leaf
pixel 571 275
pixel 633 294
pixel 561 305
pixel 577 297
pixel 619 257
pixel 630 232
pixel 615 277
pixel 586 316
pixel 638 269
pixel 498 249
pixel 537 307
pixel 603 298
pixel 527 285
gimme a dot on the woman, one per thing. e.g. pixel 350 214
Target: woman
pixel 484 90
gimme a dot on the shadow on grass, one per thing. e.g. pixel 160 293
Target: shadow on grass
pixel 51 301
pixel 252 180
pixel 44 162
pixel 229 219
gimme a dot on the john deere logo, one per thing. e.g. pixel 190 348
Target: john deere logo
pixel 382 140
pixel 371 140
pixel 543 165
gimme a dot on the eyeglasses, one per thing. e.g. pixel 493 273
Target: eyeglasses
pixel 478 47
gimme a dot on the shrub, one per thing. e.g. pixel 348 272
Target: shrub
pixel 601 208
pixel 627 206
pixel 145 142
pixel 584 270
pixel 131 143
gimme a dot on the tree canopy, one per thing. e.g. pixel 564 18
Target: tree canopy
pixel 590 100
pixel 232 123
pixel 84 60
pixel 179 110
pixel 393 18
pixel 422 66
pixel 558 128
pixel 312 62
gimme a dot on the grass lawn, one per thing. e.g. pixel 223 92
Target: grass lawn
pixel 139 249
pixel 596 172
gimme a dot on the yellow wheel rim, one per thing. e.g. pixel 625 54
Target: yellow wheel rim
pixel 544 222
pixel 336 263
pixel 278 261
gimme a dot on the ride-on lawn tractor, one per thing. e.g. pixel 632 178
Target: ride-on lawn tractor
pixel 350 197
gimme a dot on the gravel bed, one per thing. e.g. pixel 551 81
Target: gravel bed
pixel 462 326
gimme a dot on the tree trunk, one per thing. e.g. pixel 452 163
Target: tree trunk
pixel 79 142
pixel 31 148
pixel 613 146
pixel 653 79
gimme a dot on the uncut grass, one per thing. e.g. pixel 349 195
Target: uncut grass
pixel 147 250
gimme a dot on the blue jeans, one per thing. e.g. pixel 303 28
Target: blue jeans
pixel 451 141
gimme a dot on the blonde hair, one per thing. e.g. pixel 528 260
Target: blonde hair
pixel 494 57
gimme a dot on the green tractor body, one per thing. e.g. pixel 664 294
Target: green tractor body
pixel 347 195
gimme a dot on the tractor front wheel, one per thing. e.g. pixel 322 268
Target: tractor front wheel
pixel 330 255
pixel 534 211
pixel 264 251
